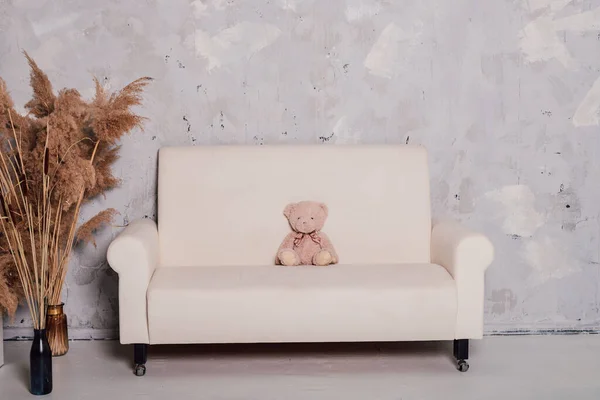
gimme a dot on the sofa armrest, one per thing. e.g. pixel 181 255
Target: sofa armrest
pixel 466 255
pixel 133 254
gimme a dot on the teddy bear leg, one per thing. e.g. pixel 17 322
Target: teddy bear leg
pixel 288 257
pixel 323 258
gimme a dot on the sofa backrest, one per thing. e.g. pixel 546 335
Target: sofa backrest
pixel 223 205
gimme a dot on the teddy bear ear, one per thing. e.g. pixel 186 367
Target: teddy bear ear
pixel 324 208
pixel 287 211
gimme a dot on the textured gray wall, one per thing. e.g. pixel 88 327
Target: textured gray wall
pixel 505 94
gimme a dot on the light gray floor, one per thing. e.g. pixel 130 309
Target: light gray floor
pixel 517 367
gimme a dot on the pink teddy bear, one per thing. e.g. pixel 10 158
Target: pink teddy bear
pixel 306 245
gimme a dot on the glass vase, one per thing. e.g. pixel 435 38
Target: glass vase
pixel 40 364
pixel 56 327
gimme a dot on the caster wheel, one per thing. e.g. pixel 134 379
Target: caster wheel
pixel 463 366
pixel 139 370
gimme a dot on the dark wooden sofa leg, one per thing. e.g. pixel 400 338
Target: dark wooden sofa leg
pixel 140 356
pixel 461 353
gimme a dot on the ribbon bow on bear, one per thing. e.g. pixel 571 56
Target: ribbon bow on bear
pixel 314 236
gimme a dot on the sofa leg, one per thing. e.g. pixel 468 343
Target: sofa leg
pixel 461 353
pixel 140 356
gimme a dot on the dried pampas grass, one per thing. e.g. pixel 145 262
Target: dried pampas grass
pixel 52 161
pixel 42 103
pixel 85 233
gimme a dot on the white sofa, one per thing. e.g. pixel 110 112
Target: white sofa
pixel 206 273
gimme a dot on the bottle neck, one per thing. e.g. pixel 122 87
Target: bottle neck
pixel 38 333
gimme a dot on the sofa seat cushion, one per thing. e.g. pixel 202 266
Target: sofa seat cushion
pixel 253 304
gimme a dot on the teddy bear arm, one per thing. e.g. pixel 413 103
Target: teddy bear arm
pixel 327 245
pixel 288 242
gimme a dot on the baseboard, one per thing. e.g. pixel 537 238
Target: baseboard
pixel 592 328
pixel 74 334
pixel 490 330
pixel 533 332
